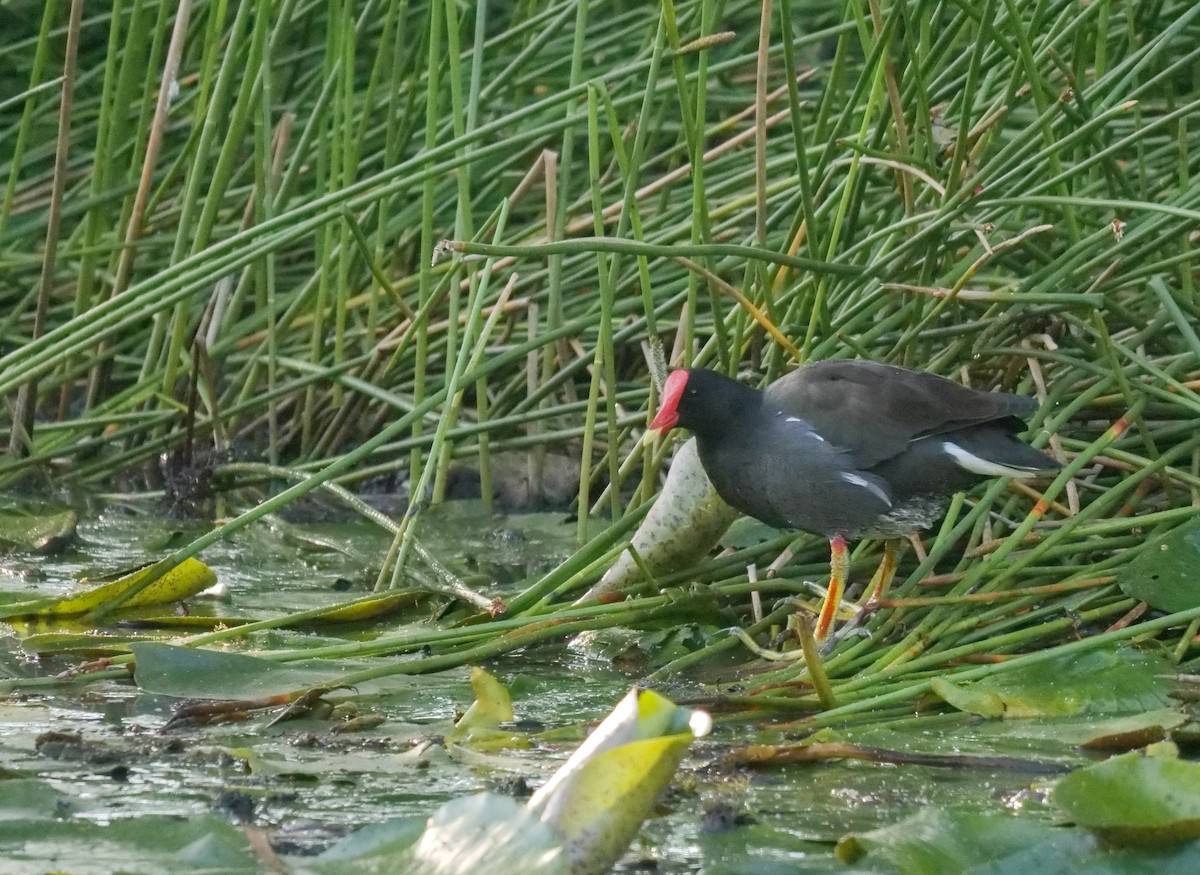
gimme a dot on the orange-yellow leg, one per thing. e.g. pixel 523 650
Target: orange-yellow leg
pixel 839 567
pixel 884 573
pixel 877 588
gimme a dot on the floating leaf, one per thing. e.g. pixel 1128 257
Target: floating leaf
pixel 1134 799
pixel 57 633
pixel 972 698
pixel 1166 573
pixel 386 840
pixel 147 843
pixel 34 799
pixel 578 823
pixel 371 608
pixel 601 795
pixel 210 622
pixel 80 643
pixel 1136 730
pixel 41 532
pixel 686 521
pixel 193 673
pixel 487 833
pixel 480 724
pixel 185 579
pixel 1097 682
pixel 937 842
pixel 746 532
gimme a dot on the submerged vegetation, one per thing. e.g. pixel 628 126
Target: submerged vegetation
pixel 255 251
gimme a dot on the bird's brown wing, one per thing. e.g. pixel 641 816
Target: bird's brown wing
pixel 875 411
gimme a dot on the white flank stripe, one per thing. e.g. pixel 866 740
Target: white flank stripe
pixel 867 484
pixel 976 465
pixel 808 430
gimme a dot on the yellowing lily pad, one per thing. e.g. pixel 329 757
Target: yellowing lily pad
pixel 970 698
pixel 613 793
pixel 184 580
pixel 371 608
pixel 598 799
pixel 492 706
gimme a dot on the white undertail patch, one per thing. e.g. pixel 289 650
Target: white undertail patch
pixel 867 484
pixel 974 464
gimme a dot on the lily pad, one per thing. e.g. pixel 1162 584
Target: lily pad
pixel 371 608
pixel 1097 682
pixel 482 833
pixel 185 579
pixel 1166 573
pixel 488 833
pixel 1134 799
pixel 207 674
pixel 933 841
pixel 937 842
pixel 31 799
pixel 1136 730
pixel 145 844
pixel 42 532
pixel 79 643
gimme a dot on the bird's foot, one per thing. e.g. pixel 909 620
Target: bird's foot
pixel 847 631
pixel 764 652
pixel 852 627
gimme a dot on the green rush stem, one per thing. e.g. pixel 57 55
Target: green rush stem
pixel 634 247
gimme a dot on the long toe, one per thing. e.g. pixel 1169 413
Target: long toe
pixel 851 629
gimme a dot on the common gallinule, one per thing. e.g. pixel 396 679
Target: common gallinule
pixel 849 449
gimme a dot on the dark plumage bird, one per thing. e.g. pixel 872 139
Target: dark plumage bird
pixel 849 449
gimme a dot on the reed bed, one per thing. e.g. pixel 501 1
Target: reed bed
pixel 224 242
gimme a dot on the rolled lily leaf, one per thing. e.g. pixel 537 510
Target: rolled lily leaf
pixel 480 725
pixel 687 520
pixel 485 833
pixel 600 796
pixel 583 819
